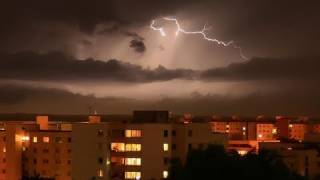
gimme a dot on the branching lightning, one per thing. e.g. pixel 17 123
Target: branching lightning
pixel 202 33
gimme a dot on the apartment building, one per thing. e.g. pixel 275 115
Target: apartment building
pixel 32 149
pixel 2 153
pixel 141 149
pixel 236 128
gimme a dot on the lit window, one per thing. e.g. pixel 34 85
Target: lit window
pixel 4 149
pixel 25 138
pixel 260 135
pixel 35 139
pixel 133 147
pixel 165 174
pixel 227 126
pixel 274 131
pixel 100 173
pixel 244 128
pixel 290 125
pixel 132 175
pixel 242 152
pixel 165 147
pixel 118 147
pixel 133 133
pixel 46 139
pixel 133 161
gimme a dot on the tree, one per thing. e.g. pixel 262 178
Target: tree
pixel 215 163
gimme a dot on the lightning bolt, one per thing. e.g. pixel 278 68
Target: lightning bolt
pixel 202 33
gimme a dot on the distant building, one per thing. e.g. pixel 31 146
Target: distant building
pixel 298 157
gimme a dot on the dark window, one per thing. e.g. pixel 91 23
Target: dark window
pixel 165 160
pixel 3 171
pixel 4 139
pixel 174 147
pixel 165 133
pixel 69 150
pixel 57 150
pixel 69 161
pixel 35 150
pixel 69 139
pixel 4 160
pixel 24 159
pixel 201 146
pixel 115 133
pixel 45 150
pixel 100 160
pixel 189 146
pixel 34 161
pixel 306 160
pixel 45 161
pixel 189 133
pixel 173 133
pixel 58 140
pixel 100 132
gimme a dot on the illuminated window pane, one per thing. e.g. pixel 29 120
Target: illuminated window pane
pixel 46 139
pixel 242 152
pixel 35 139
pixel 25 138
pixel 100 173
pixel 118 147
pixel 165 147
pixel 274 131
pixel 132 175
pixel 133 147
pixel 133 133
pixel 165 174
pixel 133 161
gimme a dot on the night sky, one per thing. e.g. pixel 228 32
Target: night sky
pixel 67 57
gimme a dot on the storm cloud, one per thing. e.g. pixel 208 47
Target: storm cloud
pixel 299 68
pixel 61 54
pixel 57 66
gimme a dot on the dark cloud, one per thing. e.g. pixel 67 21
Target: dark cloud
pixel 137 42
pixel 294 69
pixel 28 99
pixel 61 67
pixel 138 45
